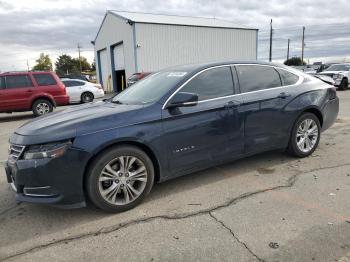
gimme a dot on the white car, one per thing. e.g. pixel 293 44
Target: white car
pixel 340 73
pixel 80 91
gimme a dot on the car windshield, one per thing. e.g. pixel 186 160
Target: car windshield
pixel 338 68
pixel 149 89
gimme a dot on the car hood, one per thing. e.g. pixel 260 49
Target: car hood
pixel 74 121
pixel 331 72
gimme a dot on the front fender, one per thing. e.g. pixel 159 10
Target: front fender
pixel 143 135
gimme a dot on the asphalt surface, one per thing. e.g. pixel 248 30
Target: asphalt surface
pixel 269 207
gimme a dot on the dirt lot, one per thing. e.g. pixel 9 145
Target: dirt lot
pixel 269 207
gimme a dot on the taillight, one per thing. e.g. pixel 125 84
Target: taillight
pixel 332 93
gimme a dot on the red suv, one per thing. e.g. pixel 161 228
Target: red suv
pixel 36 91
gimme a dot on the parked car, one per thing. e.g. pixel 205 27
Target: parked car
pixel 80 91
pixel 340 73
pixel 136 77
pixel 174 122
pixel 36 91
pixel 326 79
pixel 310 70
pixel 76 76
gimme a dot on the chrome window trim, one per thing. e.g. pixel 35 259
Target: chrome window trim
pixel 300 80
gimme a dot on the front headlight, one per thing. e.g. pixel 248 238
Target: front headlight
pixel 338 76
pixel 51 150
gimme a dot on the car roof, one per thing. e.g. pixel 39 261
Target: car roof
pixel 201 66
pixel 25 72
pixel 73 79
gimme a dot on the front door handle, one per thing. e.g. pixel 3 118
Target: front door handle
pixel 232 104
pixel 29 91
pixel 283 95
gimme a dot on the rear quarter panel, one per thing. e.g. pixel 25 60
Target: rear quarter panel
pixel 311 95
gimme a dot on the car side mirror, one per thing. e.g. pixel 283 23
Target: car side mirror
pixel 182 99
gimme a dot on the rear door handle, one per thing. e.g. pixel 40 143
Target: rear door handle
pixel 283 95
pixel 232 104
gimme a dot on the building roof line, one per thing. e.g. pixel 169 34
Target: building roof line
pixel 153 18
pixel 166 19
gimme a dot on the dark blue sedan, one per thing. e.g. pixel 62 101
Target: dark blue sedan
pixel 171 123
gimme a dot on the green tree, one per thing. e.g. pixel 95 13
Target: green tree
pixel 93 65
pixel 85 65
pixel 65 64
pixel 294 61
pixel 43 63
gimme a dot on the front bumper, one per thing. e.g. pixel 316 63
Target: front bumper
pixel 57 181
pixel 337 82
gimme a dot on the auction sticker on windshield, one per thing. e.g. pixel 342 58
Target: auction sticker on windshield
pixel 177 74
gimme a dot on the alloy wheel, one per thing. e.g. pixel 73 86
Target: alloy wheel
pixel 87 98
pixel 122 180
pixel 42 108
pixel 307 135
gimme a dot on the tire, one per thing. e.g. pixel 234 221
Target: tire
pixel 41 107
pixel 298 135
pixel 344 84
pixel 87 97
pixel 110 190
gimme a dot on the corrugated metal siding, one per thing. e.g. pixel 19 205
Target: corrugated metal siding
pixel 119 61
pixel 105 71
pixel 115 30
pixel 166 45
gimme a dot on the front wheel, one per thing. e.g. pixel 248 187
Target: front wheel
pixel 305 135
pixel 120 178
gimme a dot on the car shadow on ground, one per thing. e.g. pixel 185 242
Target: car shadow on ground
pixel 18 117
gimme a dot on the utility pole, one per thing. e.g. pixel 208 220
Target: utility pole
pixel 270 56
pixel 288 49
pixel 28 65
pixel 79 46
pixel 302 46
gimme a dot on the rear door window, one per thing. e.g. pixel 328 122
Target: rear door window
pixel 288 78
pixel 2 82
pixel 67 83
pixel 212 83
pixel 77 83
pixel 255 77
pixel 17 81
pixel 44 79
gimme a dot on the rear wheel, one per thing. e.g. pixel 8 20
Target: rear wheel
pixel 42 107
pixel 305 135
pixel 120 178
pixel 87 97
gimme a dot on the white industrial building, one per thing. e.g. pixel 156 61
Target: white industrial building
pixel 129 42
